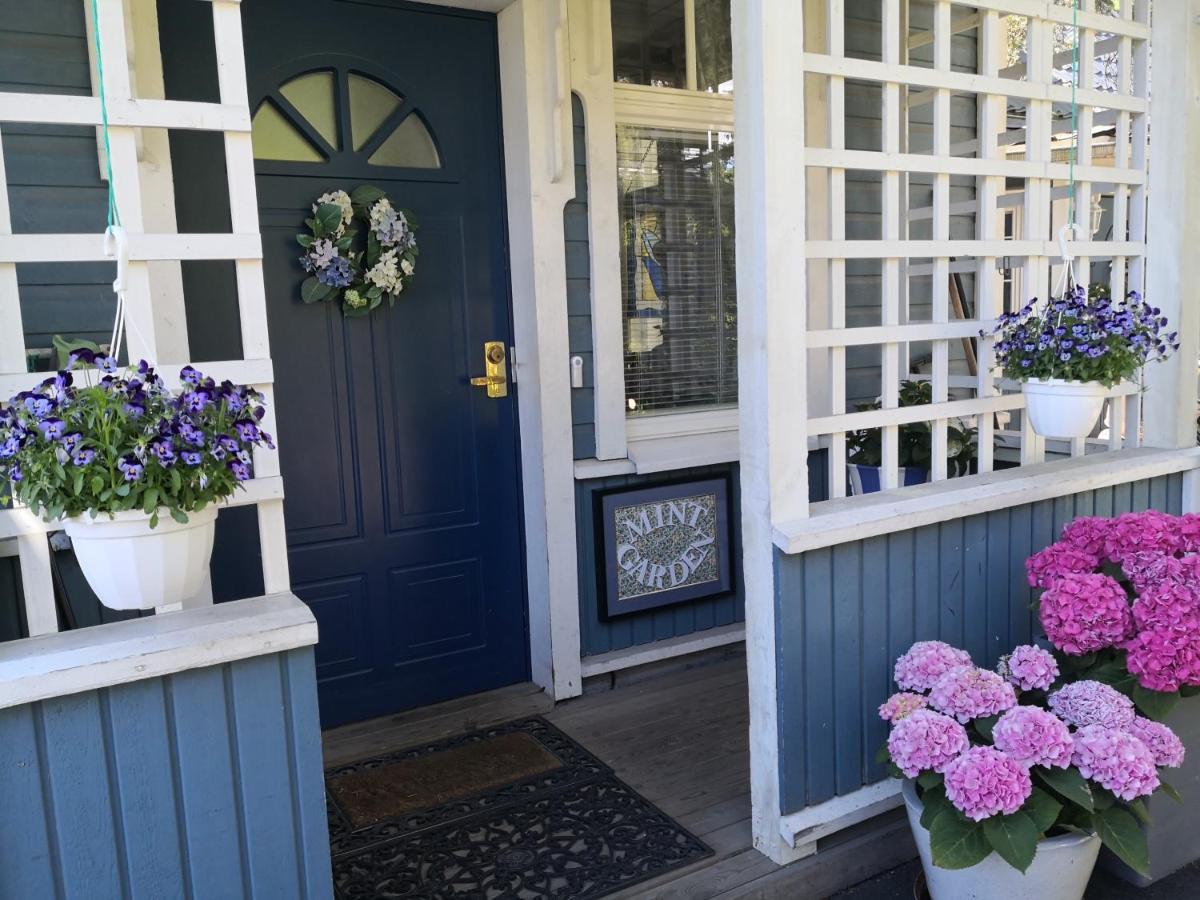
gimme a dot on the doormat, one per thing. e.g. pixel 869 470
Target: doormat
pixel 519 810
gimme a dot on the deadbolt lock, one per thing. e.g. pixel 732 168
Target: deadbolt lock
pixel 495 368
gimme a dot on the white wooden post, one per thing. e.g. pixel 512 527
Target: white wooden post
pixel 1173 264
pixel 768 37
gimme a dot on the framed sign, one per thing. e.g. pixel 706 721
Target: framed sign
pixel 664 544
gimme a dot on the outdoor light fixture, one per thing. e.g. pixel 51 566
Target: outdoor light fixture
pixel 1097 213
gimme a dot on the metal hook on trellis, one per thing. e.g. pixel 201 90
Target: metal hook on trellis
pixel 1067 255
pixel 116 245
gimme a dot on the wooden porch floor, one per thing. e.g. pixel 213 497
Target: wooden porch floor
pixel 679 739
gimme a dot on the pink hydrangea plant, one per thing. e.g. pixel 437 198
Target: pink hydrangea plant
pixel 985 782
pixel 1087 534
pixel 926 662
pixel 925 740
pixel 897 706
pixel 967 693
pixel 1034 737
pixel 1085 613
pixel 1115 760
pixel 1030 668
pixel 1048 565
pixel 1084 703
pixel 1164 659
pixel 1164 744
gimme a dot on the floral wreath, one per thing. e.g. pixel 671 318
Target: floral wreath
pixel 340 268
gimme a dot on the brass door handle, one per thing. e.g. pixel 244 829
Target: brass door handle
pixel 495 367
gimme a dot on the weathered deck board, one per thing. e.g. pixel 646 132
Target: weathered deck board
pixel 681 740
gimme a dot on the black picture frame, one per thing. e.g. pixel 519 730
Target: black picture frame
pixel 664 499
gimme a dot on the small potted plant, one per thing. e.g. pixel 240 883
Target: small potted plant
pixel 865 451
pixel 1068 353
pixel 1016 777
pixel 132 469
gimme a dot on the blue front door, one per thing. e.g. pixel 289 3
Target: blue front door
pixel 402 479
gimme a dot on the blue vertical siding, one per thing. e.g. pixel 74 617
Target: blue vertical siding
pixel 204 784
pixel 846 612
pixel 579 293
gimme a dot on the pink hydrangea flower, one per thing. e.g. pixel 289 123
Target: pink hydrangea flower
pixel 985 782
pixel 1168 599
pixel 1030 668
pixel 900 705
pixel 1048 565
pixel 1084 703
pixel 1164 659
pixel 1034 737
pixel 926 662
pixel 969 693
pixel 1188 529
pixel 925 740
pixel 1140 532
pixel 1164 744
pixel 1087 534
pixel 1115 760
pixel 1085 613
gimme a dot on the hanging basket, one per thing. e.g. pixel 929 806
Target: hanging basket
pixel 1063 409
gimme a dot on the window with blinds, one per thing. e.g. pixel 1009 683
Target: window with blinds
pixel 677 277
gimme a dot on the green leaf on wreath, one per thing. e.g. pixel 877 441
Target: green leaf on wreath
pixel 364 197
pixel 329 219
pixel 1156 705
pixel 305 240
pixel 1121 833
pixel 372 249
pixel 1043 809
pixel 1067 783
pixel 1015 837
pixel 345 241
pixel 312 291
pixel 956 842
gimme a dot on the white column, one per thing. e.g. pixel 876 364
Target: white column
pixel 538 164
pixel 768 37
pixel 1172 264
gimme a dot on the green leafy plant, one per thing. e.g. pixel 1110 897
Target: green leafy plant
pixel 865 447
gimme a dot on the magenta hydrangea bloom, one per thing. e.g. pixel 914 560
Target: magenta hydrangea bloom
pixel 1085 613
pixel 1164 659
pixel 1164 744
pixel 1048 565
pixel 1141 532
pixel 926 662
pixel 969 693
pixel 1030 668
pixel 1087 534
pixel 1188 529
pixel 1084 703
pixel 1168 598
pixel 985 782
pixel 1115 760
pixel 900 705
pixel 925 740
pixel 1034 737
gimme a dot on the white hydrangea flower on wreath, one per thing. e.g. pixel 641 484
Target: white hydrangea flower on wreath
pixel 341 267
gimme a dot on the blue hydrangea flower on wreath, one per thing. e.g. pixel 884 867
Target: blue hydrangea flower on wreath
pixel 343 267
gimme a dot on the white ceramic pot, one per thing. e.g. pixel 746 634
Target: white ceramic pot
pixel 1064 409
pixel 133 566
pixel 1060 871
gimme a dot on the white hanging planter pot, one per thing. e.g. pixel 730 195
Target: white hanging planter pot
pixel 1063 409
pixel 130 565
pixel 1060 870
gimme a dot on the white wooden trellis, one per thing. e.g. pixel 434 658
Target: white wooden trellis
pixel 993 86
pixel 126 113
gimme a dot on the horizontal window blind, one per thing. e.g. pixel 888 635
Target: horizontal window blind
pixel 677 274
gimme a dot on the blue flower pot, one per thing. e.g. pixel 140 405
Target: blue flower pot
pixel 866 479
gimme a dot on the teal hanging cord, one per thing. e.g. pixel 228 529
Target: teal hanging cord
pixel 114 214
pixel 1074 108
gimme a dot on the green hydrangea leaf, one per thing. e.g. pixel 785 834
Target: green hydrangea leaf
pixel 1015 837
pixel 1043 809
pixel 957 843
pixel 1122 834
pixel 1068 783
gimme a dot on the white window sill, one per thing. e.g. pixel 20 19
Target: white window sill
pixel 667 454
pixel 854 518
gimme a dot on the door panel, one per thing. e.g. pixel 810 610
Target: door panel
pixel 402 479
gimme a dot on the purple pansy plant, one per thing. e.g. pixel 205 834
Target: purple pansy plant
pixel 98 438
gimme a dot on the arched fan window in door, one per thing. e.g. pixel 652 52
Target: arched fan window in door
pixel 316 116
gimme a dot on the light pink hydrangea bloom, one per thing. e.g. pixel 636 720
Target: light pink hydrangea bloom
pixel 1085 613
pixel 1169 599
pixel 1164 744
pixel 1115 760
pixel 1034 737
pixel 1048 565
pixel 1030 668
pixel 985 782
pixel 926 662
pixel 897 706
pixel 1084 703
pixel 969 693
pixel 925 740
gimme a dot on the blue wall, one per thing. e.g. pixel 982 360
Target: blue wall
pixel 846 612
pixel 579 296
pixel 204 784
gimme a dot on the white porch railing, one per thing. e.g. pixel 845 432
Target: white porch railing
pixel 127 113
